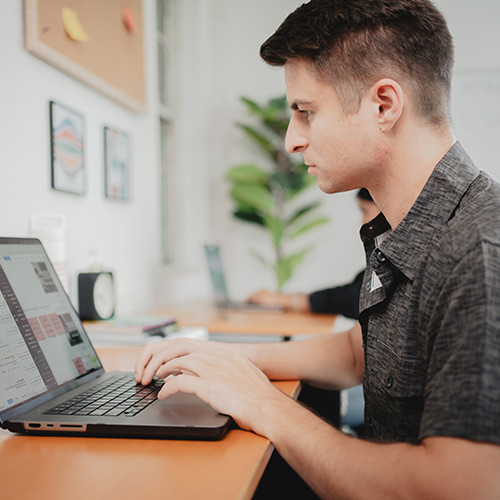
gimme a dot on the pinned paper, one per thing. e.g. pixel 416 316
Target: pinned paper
pixel 72 25
pixel 128 19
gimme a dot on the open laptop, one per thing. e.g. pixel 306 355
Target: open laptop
pixel 51 379
pixel 218 280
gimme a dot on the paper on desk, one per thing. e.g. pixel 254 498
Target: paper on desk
pixel 101 335
pixel 129 324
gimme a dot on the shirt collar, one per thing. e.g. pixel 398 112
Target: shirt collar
pixel 434 207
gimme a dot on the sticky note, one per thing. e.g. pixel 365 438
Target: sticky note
pixel 128 19
pixel 73 26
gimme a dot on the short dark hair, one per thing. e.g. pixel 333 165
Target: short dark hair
pixel 352 44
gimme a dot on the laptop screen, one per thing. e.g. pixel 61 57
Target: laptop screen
pixel 217 278
pixel 42 342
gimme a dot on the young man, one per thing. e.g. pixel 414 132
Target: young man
pixel 343 299
pixel 369 85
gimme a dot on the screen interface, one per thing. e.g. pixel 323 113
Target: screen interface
pixel 42 342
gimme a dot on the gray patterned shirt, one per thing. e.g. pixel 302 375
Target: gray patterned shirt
pixel 430 311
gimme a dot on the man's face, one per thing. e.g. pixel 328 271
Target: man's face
pixel 339 149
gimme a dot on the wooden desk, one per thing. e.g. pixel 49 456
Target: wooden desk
pixel 285 324
pixel 62 468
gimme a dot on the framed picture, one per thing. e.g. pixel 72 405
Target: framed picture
pixel 116 164
pixel 66 141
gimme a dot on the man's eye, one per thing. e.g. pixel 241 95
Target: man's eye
pixel 305 113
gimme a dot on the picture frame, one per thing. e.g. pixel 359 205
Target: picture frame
pixel 67 149
pixel 116 164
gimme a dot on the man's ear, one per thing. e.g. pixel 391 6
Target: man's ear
pixel 389 98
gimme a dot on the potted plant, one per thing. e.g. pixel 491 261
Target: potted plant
pixel 269 197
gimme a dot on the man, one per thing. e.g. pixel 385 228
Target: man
pixel 369 85
pixel 342 299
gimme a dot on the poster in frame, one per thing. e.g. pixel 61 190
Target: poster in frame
pixel 67 149
pixel 116 164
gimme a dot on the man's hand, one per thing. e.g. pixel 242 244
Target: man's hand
pixel 225 379
pixel 155 355
pixel 298 302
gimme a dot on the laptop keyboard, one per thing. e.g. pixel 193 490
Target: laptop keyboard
pixel 120 395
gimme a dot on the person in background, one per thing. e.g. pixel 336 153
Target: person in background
pixel 342 299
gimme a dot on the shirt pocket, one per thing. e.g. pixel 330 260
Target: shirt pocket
pixel 398 386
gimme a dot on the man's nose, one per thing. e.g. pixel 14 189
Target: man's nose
pixel 295 141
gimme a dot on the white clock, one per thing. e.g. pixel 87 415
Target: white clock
pixel 96 295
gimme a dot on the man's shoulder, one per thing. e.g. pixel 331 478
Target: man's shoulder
pixel 470 235
pixel 476 219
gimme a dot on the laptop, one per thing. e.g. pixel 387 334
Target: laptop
pixel 51 378
pixel 218 280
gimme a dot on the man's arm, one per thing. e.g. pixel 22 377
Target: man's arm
pixel 335 465
pixel 339 466
pixel 333 361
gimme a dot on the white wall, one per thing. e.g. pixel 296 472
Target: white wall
pixel 476 84
pixel 218 62
pixel 125 234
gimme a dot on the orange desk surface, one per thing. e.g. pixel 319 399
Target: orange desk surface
pixel 285 324
pixel 74 468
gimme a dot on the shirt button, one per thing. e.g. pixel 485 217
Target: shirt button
pixel 380 256
pixel 389 382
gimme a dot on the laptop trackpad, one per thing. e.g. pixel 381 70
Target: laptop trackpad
pixel 184 399
pixel 188 410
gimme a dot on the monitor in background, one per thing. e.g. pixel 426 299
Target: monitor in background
pixel 220 291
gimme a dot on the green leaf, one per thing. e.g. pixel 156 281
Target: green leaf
pixel 310 225
pixel 280 103
pixel 276 111
pixel 303 211
pixel 286 266
pixel 276 227
pixel 303 180
pixel 261 259
pixel 252 105
pixel 248 216
pixel 243 207
pixel 274 115
pixel 247 174
pixel 266 144
pixel 253 195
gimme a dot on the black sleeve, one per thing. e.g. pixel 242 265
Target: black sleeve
pixel 342 300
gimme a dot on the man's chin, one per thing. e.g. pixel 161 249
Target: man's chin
pixel 326 189
pixel 329 188
pixel 325 186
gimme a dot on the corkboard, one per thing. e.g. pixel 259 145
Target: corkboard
pixel 111 60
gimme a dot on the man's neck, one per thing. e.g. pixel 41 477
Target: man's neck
pixel 411 163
